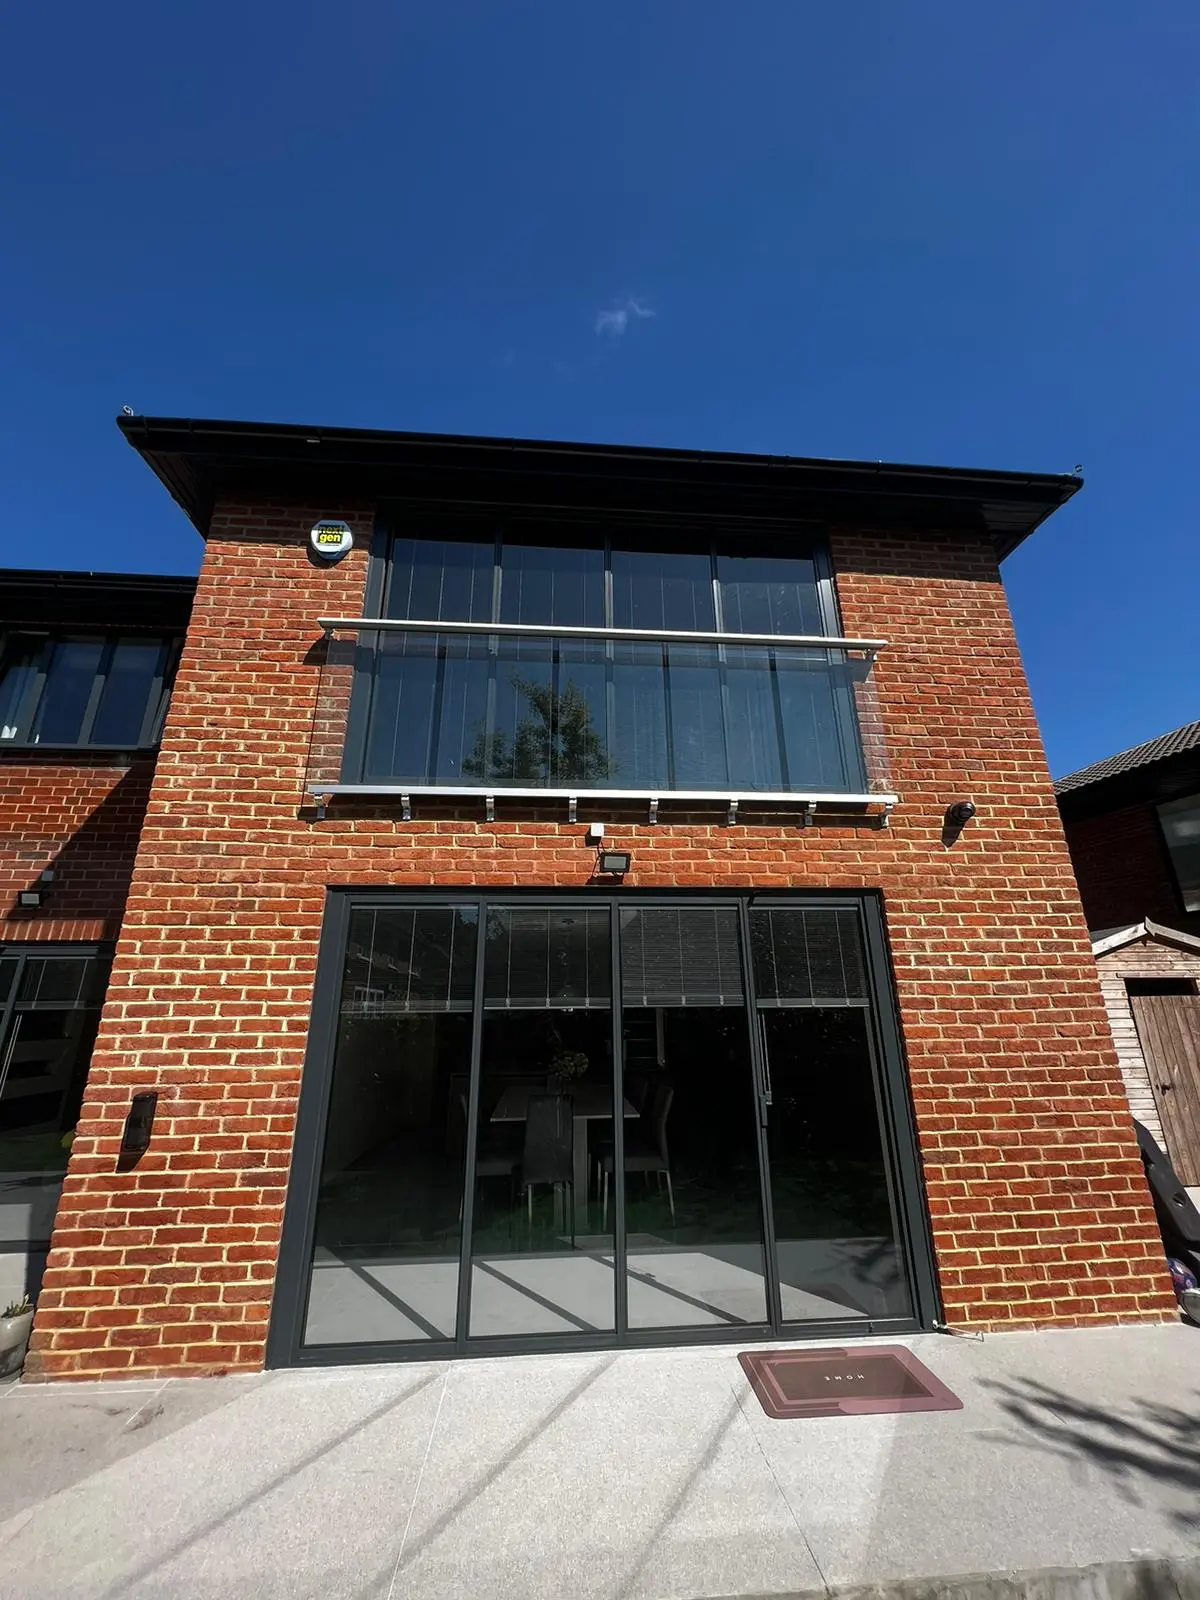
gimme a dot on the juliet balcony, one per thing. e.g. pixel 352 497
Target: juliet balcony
pixel 491 713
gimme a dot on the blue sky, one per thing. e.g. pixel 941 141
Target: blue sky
pixel 924 231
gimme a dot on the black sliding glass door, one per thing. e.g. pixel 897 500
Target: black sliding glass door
pixel 834 1216
pixel 541 1256
pixel 388 1225
pixel 695 1238
pixel 552 1121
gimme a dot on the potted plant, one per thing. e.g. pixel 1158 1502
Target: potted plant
pixel 14 1333
pixel 566 1066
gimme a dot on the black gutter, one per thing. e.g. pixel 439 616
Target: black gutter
pixel 33 598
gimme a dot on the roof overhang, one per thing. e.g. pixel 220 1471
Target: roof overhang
pixel 203 462
pixel 1172 778
pixel 1110 939
pixel 34 599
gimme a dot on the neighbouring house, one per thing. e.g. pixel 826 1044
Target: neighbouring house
pixel 1132 824
pixel 557 922
pixel 86 662
pixel 1133 829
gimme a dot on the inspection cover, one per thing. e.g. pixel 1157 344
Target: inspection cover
pixel 844 1383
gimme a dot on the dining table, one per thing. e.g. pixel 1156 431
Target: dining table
pixel 590 1102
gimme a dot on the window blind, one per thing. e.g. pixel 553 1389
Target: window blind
pixel 807 957
pixel 542 959
pixel 403 960
pixel 680 957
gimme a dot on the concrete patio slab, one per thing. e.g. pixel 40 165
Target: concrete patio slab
pixel 606 1476
pixel 614 1476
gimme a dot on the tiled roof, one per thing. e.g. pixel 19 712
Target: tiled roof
pixel 1142 755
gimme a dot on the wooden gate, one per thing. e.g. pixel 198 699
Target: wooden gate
pixel 1168 1026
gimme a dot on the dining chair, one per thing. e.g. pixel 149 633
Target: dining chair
pixel 496 1154
pixel 650 1155
pixel 549 1153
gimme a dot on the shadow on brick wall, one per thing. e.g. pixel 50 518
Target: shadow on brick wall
pixel 92 867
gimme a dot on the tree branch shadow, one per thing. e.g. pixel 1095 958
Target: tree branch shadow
pixel 1138 1445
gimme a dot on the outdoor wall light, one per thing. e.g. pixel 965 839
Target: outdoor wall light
pixel 136 1134
pixel 615 862
pixel 955 820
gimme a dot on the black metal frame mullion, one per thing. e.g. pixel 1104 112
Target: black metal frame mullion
pixel 7 1013
pixel 620 1242
pixel 610 657
pixel 433 749
pixel 668 713
pixel 99 684
pixel 462 1319
pixel 37 689
pixel 785 778
pixel 761 1115
pixel 152 717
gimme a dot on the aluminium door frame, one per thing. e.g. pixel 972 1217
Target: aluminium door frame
pixel 293 1276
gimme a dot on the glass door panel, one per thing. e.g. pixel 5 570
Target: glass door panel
pixel 836 1238
pixel 541 1251
pixel 44 1051
pixel 387 1236
pixel 693 1198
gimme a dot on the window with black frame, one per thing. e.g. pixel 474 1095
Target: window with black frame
pixel 97 690
pixel 666 675
pixel 50 1001
pixel 1180 821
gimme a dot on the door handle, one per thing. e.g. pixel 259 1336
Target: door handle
pixel 766 1059
pixel 764 1092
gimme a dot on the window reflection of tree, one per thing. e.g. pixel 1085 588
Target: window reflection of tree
pixel 556 742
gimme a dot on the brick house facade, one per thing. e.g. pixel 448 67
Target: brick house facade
pixel 72 813
pixel 1037 1211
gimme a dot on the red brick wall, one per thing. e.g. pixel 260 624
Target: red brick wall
pixel 81 819
pixel 1039 1209
pixel 1123 870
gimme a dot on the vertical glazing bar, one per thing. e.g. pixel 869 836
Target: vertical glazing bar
pixel 785 781
pixel 463 1320
pixel 7 1039
pixel 668 718
pixel 155 697
pixel 108 654
pixel 620 1250
pixel 433 750
pixel 761 1114
pixel 610 664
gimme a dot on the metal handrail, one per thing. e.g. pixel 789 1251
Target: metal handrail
pixel 553 631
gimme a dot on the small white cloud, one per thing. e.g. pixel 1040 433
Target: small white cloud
pixel 615 320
